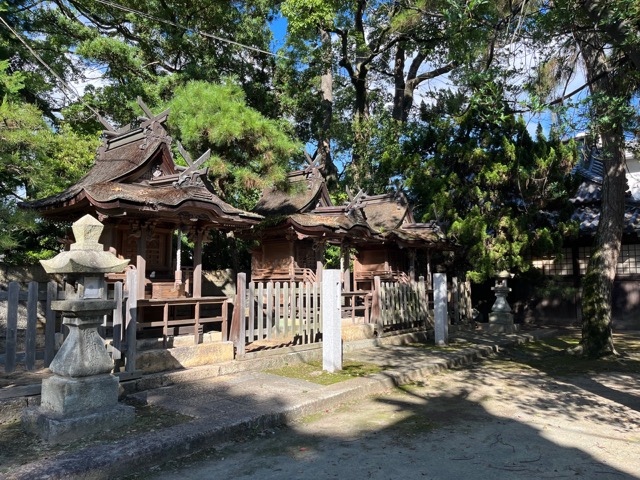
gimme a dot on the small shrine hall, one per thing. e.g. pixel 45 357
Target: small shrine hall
pixel 147 203
pixel 302 221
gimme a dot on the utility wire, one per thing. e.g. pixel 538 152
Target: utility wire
pixel 65 87
pixel 199 32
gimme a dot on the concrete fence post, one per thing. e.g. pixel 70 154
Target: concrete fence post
pixel 331 322
pixel 440 308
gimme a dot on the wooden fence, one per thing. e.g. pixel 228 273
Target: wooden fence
pixel 13 296
pixel 287 311
pixel 119 329
pixel 462 308
pixel 400 306
pixel 124 325
pixel 272 310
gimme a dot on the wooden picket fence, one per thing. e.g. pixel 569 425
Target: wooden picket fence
pixel 400 306
pixel 288 311
pixel 12 297
pixel 120 326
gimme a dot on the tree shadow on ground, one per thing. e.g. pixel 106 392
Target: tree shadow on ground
pixel 505 419
pixel 416 433
pixel 615 378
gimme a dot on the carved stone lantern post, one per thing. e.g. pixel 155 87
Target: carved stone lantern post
pixel 82 396
pixel 501 318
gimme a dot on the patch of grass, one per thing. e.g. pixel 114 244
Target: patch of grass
pixel 412 387
pixel 19 448
pixel 312 372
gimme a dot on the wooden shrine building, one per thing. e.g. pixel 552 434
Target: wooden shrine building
pixel 398 240
pixel 299 224
pixel 146 203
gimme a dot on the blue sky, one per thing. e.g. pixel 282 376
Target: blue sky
pixel 279 29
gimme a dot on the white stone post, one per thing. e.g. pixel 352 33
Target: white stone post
pixel 440 308
pixel 331 321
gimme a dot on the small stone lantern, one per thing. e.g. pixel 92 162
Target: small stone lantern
pixel 82 396
pixel 501 318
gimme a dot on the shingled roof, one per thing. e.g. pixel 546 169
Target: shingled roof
pixel 417 234
pixel 589 217
pixel 134 173
pixel 306 191
pixel 385 212
pixel 307 209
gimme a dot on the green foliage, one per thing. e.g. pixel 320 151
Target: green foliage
pixel 332 257
pixel 502 194
pixel 306 16
pixel 35 161
pixel 249 151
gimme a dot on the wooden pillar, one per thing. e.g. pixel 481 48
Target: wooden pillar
pixel 345 267
pixel 429 279
pixel 412 264
pixel 292 259
pixel 141 261
pixel 387 265
pixel 575 257
pixel 319 247
pixel 197 264
pixel 108 235
pixel 178 272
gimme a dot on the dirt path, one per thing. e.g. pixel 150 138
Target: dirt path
pixel 497 421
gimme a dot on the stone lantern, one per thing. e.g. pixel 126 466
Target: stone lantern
pixel 501 318
pixel 82 396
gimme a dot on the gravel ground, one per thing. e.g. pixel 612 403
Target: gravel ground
pixel 498 420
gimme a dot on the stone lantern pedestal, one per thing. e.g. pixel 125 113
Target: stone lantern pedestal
pixel 501 318
pixel 81 397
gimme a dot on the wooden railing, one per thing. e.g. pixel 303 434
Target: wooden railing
pixel 121 326
pixel 193 323
pixel 283 275
pixel 273 310
pixel 357 305
pixel 305 275
pixel 27 340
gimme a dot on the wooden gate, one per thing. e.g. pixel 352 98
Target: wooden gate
pixel 399 306
pixel 287 311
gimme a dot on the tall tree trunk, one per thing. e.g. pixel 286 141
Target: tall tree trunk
pixel 326 87
pixel 622 32
pixel 358 74
pixel 399 83
pixel 597 339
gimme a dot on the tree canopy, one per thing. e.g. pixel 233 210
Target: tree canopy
pixel 439 98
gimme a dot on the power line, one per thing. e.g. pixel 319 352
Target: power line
pixel 199 32
pixel 65 87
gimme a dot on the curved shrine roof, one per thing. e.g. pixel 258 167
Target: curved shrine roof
pixel 134 173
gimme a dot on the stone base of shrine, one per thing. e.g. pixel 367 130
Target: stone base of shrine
pixel 501 322
pixel 72 408
pixel 158 360
pixel 357 331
